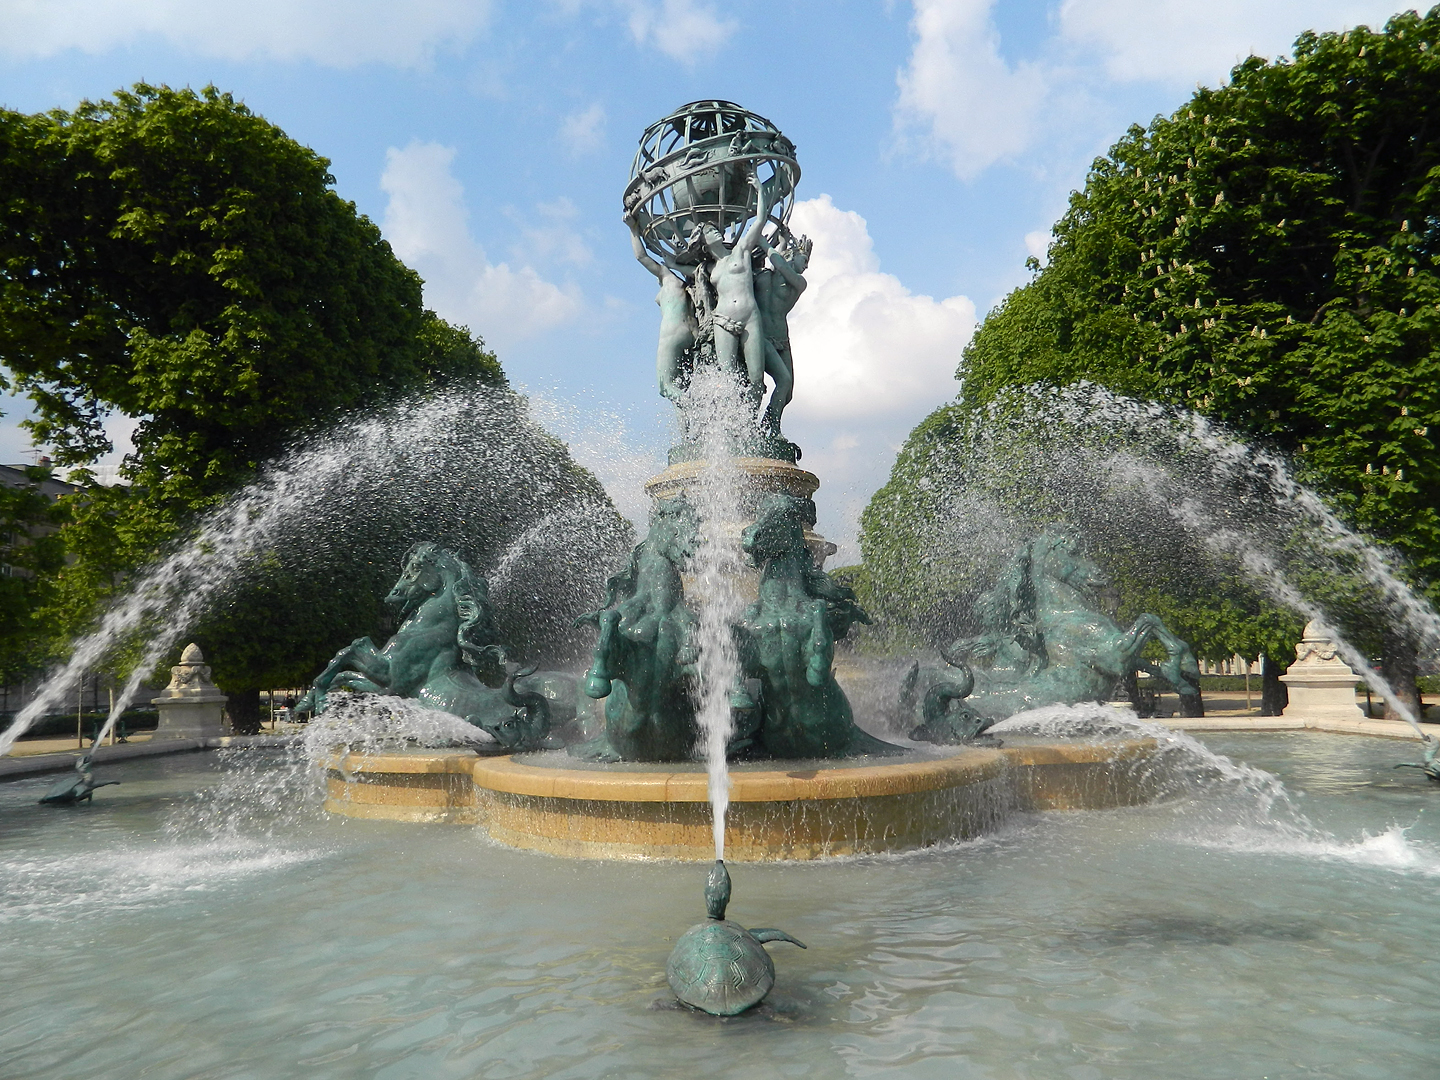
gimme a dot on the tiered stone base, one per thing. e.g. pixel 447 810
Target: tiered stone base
pixel 763 476
pixel 774 814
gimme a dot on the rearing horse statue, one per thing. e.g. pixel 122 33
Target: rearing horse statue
pixel 644 662
pixel 787 641
pixel 1042 642
pixel 446 636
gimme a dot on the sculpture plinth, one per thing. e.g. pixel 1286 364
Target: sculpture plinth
pixel 761 477
pixel 1320 684
pixel 191 706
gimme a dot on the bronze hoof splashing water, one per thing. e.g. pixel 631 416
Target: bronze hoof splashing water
pixel 718 966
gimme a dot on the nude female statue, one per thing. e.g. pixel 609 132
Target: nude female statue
pixel 677 317
pixel 776 292
pixel 737 320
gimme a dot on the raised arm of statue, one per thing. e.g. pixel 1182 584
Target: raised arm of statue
pixel 641 255
pixel 752 235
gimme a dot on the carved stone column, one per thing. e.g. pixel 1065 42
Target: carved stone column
pixel 191 707
pixel 1321 685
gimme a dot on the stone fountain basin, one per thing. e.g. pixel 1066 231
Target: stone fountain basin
pixel 793 810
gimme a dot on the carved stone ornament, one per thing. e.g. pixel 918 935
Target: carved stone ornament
pixel 1321 685
pixel 192 673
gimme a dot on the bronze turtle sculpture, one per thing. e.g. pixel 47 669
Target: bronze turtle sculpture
pixel 76 789
pixel 718 966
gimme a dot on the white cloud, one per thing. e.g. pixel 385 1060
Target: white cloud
pixel 427 224
pixel 865 346
pixel 583 132
pixel 976 108
pixel 1037 245
pixel 551 235
pixel 684 30
pixel 339 33
pixel 871 359
pixel 1186 41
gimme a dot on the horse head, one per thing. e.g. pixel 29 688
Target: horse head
pixel 1055 555
pixel 779 529
pixel 427 569
pixel 674 530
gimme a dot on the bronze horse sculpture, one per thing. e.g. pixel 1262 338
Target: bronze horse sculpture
pixel 447 635
pixel 645 657
pixel 787 641
pixel 1042 642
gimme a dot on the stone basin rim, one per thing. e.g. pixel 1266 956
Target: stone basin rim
pixel 968 765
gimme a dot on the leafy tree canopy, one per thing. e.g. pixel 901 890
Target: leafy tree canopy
pixel 171 256
pixel 1268 255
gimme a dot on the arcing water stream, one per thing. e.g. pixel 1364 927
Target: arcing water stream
pixel 467 468
pixel 1172 497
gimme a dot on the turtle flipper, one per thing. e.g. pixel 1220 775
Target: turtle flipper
pixel 763 934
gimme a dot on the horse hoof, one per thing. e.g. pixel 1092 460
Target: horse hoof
pixel 596 687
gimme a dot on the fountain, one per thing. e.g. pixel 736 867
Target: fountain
pixel 685 666
pixel 226 912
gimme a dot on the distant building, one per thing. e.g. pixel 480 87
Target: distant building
pixel 17 476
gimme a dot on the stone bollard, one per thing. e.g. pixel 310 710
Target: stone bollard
pixel 1321 685
pixel 191 707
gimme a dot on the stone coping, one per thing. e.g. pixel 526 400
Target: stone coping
pixel 511 776
pixel 1384 729
pixel 38 764
pixel 769 474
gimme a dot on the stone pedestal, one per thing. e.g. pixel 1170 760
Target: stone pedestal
pixel 1320 684
pixel 762 476
pixel 191 707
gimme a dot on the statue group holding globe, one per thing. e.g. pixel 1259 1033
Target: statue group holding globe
pixel 708 205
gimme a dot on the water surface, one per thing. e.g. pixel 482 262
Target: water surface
pixel 177 930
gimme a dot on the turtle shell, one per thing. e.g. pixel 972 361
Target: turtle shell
pixel 719 968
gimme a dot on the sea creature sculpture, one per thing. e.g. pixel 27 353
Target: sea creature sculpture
pixel 1430 767
pixel 644 661
pixel 718 966
pixel 76 789
pixel 787 641
pixel 447 635
pixel 1042 642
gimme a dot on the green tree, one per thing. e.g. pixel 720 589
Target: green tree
pixel 31 553
pixel 1269 256
pixel 171 256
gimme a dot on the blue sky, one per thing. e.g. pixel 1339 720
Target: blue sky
pixel 939 141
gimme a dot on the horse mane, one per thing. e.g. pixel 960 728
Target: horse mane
pixel 479 641
pixel 1002 610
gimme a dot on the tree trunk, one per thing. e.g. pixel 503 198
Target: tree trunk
pixel 1401 669
pixel 1274 694
pixel 244 709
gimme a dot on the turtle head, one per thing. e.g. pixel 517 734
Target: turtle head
pixel 717 890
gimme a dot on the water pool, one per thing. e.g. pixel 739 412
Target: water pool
pixel 176 930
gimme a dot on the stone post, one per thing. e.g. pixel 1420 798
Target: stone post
pixel 1321 685
pixel 191 707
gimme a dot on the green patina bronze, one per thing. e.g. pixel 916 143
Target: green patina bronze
pixel 707 203
pixel 644 661
pixel 787 641
pixel 76 789
pixel 1043 641
pixel 1430 767
pixel 718 966
pixel 445 643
